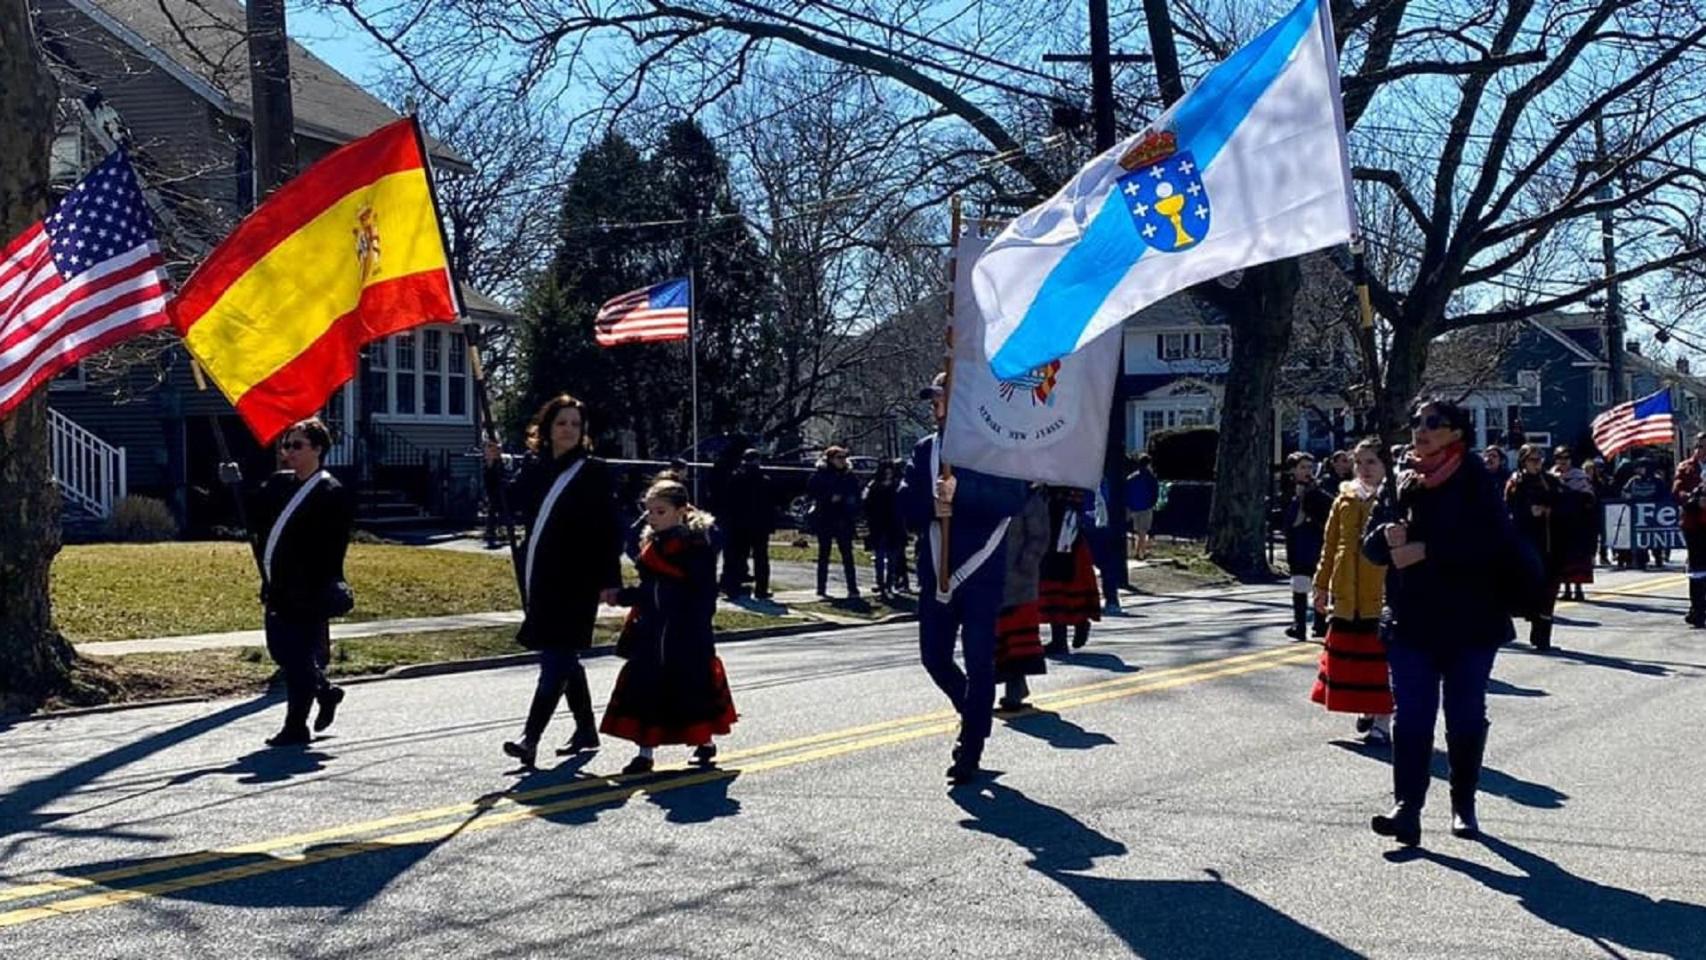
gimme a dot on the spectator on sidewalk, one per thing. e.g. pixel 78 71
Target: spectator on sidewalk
pixel 748 517
pixel 885 532
pixel 1690 494
pixel 571 561
pixel 1641 487
pixel 834 493
pixel 1142 493
pixel 1498 465
pixel 1305 522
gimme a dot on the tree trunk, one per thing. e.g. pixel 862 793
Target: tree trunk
pixel 1406 365
pixel 1237 517
pixel 34 659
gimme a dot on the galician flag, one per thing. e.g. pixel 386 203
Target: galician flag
pixel 1248 167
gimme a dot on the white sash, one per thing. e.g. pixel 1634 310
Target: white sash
pixel 938 552
pixel 1068 531
pixel 284 518
pixel 539 522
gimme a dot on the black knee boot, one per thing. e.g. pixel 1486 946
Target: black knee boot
pixel 1465 752
pixel 1411 760
pixel 1299 616
pixel 1080 635
pixel 1696 602
pixel 1056 640
pixel 1540 633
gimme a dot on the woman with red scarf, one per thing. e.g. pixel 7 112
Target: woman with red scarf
pixel 672 688
pixel 1442 531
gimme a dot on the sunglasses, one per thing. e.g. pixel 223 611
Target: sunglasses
pixel 293 445
pixel 1432 421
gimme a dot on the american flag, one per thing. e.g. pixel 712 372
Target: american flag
pixel 83 279
pixel 657 314
pixel 1645 422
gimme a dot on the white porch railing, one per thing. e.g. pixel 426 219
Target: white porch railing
pixel 90 471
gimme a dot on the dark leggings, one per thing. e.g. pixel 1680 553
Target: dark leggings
pixel 560 675
pixel 844 541
pixel 300 648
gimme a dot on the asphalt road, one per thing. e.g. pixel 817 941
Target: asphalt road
pixel 1177 797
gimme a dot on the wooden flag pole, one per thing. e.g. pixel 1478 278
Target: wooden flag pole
pixel 236 489
pixel 947 473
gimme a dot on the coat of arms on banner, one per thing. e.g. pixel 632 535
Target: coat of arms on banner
pixel 1165 194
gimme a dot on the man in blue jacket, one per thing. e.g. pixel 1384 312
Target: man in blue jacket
pixel 978 508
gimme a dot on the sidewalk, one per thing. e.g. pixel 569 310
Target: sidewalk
pixel 781 606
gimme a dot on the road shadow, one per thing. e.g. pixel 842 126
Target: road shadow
pixel 1503 689
pixel 706 800
pixel 1055 730
pixel 21 806
pixel 262 766
pixel 1594 911
pixel 1494 782
pixel 1156 919
pixel 1645 668
pixel 1093 660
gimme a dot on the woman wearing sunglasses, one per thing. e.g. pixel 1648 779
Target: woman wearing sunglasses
pixel 303 516
pixel 1443 534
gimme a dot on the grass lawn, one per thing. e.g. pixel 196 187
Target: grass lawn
pixel 790 551
pixel 867 607
pixel 1178 565
pixel 228 672
pixel 127 591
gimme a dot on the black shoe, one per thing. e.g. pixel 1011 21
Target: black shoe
pixel 706 755
pixel 763 595
pixel 638 766
pixel 1365 723
pixel 1296 633
pixel 329 700
pixel 1080 636
pixel 1540 635
pixel 521 750
pixel 584 741
pixel 1403 824
pixel 1056 648
pixel 290 738
pixel 1011 705
pixel 1464 753
pixel 965 767
pixel 1464 825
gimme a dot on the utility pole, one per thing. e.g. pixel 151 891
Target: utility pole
pixel 1613 294
pixel 272 122
pixel 1102 60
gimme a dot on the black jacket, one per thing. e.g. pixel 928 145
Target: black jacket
pixel 747 503
pixel 1461 594
pixel 309 557
pixel 670 628
pixel 579 553
pixel 882 516
pixel 835 500
pixel 1306 529
pixel 1546 534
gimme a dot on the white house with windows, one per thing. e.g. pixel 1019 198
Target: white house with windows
pixel 1176 357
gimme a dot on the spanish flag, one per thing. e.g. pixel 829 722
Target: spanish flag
pixel 348 252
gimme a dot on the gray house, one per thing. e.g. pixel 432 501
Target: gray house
pixel 170 78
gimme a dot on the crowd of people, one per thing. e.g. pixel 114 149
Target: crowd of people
pixel 1409 563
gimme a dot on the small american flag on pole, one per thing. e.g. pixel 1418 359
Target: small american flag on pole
pixel 659 313
pixel 79 281
pixel 1646 422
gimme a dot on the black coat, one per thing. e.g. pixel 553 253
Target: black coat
pixel 309 558
pixel 1549 534
pixel 579 553
pixel 882 516
pixel 747 503
pixel 1306 530
pixel 1476 565
pixel 835 500
pixel 670 628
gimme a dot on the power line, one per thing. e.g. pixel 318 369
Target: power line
pixel 902 31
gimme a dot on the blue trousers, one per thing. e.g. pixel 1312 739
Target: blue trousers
pixel 1418 676
pixel 968 615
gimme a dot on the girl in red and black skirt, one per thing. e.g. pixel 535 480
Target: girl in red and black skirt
pixel 1069 594
pixel 672 688
pixel 1353 676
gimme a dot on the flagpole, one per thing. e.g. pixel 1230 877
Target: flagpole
pixel 947 472
pixel 693 370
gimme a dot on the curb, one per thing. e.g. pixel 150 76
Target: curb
pixel 448 667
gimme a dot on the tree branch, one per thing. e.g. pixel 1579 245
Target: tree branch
pixel 1510 314
pixel 1394 181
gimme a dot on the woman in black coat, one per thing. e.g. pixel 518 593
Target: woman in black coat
pixel 303 516
pixel 1537 505
pixel 570 561
pixel 1454 564
pixel 834 492
pixel 1305 520
pixel 887 534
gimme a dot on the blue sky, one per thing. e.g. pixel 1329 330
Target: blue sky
pixel 341 43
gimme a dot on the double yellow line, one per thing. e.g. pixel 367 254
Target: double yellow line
pixel 445 822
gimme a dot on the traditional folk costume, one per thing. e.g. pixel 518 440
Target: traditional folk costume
pixel 1018 629
pixel 1069 594
pixel 672 689
pixel 975 556
pixel 1352 677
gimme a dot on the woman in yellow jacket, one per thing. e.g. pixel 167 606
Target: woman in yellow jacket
pixel 1352 677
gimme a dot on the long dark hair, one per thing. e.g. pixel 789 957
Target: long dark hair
pixel 539 428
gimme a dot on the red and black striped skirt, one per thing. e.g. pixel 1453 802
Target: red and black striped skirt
pixel 1019 643
pixel 652 705
pixel 1352 676
pixel 1069 594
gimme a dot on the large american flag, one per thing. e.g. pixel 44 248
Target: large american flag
pixel 658 314
pixel 1646 422
pixel 79 281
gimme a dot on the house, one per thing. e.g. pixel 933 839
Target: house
pixel 1176 356
pixel 171 78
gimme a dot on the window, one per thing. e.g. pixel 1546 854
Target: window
pixel 1221 346
pixel 432 372
pixel 65 159
pixel 1629 386
pixel 376 386
pixel 71 378
pixel 458 379
pixel 1497 424
pixel 1601 388
pixel 1172 346
pixel 1154 421
pixel 1544 439
pixel 1528 385
pixel 336 409
pixel 403 356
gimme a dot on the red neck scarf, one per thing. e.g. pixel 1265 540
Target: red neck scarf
pixel 1435 470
